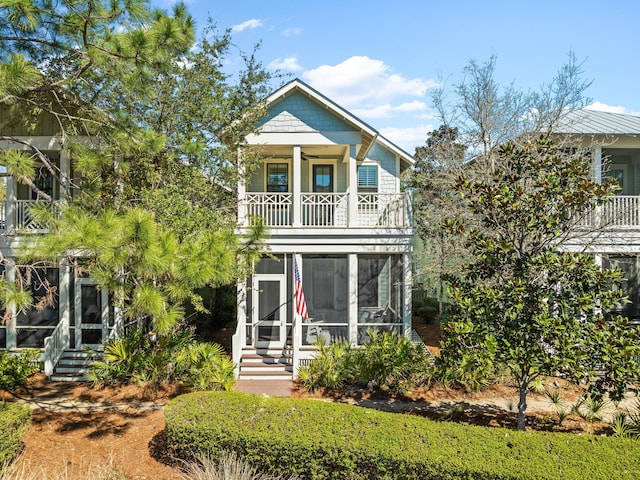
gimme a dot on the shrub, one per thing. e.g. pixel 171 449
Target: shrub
pixel 14 422
pixel 15 370
pixel 321 440
pixel 139 358
pixel 387 361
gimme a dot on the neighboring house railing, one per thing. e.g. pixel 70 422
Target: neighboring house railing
pixel 55 345
pixel 620 211
pixel 388 210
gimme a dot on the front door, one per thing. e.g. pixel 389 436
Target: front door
pixel 91 314
pixel 269 315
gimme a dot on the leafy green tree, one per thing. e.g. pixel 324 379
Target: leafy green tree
pixel 522 302
pixel 432 179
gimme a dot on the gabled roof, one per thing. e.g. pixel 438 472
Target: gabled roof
pixel 591 122
pixel 368 134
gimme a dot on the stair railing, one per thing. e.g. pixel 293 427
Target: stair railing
pixel 55 345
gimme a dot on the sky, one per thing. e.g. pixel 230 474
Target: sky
pixel 381 60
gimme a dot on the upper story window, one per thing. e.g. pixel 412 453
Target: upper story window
pixel 368 178
pixel 277 177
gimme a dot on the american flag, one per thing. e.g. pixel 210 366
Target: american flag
pixel 301 304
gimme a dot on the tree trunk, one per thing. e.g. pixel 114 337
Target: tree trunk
pixel 522 402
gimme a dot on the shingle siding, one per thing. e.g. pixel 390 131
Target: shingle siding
pixel 297 113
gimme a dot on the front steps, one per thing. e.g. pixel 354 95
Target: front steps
pixel 266 364
pixel 72 366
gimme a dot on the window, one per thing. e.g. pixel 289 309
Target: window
pixel 277 177
pixel 368 178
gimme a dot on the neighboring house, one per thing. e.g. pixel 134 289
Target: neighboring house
pixel 329 193
pixel 614 228
pixel 79 315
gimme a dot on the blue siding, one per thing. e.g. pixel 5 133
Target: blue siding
pixel 298 113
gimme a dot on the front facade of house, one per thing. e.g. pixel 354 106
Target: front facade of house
pixel 78 315
pixel 328 191
pixel 614 228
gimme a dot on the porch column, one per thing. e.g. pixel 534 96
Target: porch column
pixel 297 320
pixel 243 219
pixel 10 206
pixel 597 164
pixel 353 298
pixel 64 299
pixel 12 340
pixel 352 187
pixel 406 311
pixel 239 338
pixel 65 176
pixel 296 180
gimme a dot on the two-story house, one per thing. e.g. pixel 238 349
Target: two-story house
pixel 78 314
pixel 328 191
pixel 612 233
pixel 339 233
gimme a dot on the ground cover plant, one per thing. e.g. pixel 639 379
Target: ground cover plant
pixel 326 440
pixel 15 370
pixel 14 422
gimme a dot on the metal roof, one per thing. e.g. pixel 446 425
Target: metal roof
pixel 592 122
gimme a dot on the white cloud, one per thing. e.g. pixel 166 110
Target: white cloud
pixel 386 110
pixel 362 82
pixel 407 138
pixel 603 107
pixel 292 32
pixel 289 63
pixel 250 24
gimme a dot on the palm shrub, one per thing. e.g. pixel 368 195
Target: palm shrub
pixel 331 367
pixel 140 358
pixel 387 361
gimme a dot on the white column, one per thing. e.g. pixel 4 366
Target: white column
pixel 352 187
pixel 243 218
pixel 65 176
pixel 10 206
pixel 296 180
pixel 297 320
pixel 353 298
pixel 597 164
pixel 406 314
pixel 12 341
pixel 63 299
pixel 239 338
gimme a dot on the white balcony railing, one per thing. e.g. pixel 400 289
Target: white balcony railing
pixel 273 208
pixel 384 210
pixel 17 216
pixel 621 211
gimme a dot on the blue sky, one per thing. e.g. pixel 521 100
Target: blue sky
pixel 381 59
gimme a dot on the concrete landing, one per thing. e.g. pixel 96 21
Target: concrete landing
pixel 274 388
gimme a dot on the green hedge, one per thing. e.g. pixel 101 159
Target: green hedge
pixel 14 422
pixel 321 440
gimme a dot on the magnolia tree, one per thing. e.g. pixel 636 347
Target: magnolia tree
pixel 523 303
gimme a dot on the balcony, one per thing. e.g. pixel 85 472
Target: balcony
pixel 16 217
pixel 333 210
